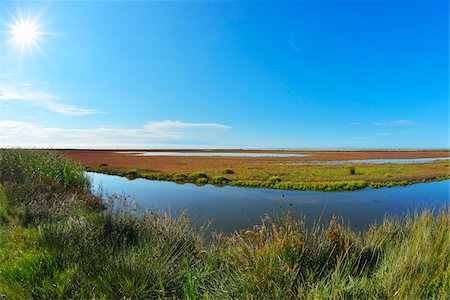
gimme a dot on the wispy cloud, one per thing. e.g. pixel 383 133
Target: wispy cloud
pixel 394 123
pixel 293 46
pixel 152 134
pixel 293 43
pixel 168 125
pixel 43 99
pixel 381 135
pixel 386 123
pixel 178 129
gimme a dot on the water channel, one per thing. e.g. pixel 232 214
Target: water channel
pixel 233 208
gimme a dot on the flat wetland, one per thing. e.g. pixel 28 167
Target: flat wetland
pixel 59 240
pixel 311 170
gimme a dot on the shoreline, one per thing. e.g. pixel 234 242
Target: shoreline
pixel 332 186
pixel 284 173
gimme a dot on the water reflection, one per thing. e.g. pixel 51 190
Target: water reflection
pixel 368 161
pixel 231 154
pixel 234 208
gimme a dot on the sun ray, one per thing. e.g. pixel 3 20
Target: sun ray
pixel 25 32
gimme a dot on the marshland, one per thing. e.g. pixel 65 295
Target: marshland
pixel 58 240
pixel 287 170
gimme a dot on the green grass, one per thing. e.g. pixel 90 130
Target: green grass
pixel 17 163
pixel 57 242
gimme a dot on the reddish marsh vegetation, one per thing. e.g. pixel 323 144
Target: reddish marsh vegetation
pixel 257 171
pixel 113 159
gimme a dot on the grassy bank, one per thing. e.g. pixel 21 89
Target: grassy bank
pixel 338 183
pixel 59 241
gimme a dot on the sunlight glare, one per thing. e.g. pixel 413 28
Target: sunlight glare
pixel 25 33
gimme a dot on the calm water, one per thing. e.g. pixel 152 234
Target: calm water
pixel 370 161
pixel 234 208
pixel 234 154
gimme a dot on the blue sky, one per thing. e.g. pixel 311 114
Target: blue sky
pixel 306 74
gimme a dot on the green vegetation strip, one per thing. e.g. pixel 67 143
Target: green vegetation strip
pixel 273 182
pixel 57 242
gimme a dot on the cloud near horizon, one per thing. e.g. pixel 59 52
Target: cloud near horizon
pixel 153 134
pixel 394 123
pixel 386 123
pixel 178 129
pixel 43 99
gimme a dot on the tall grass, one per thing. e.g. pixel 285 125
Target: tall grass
pixel 45 163
pixel 399 259
pixel 59 242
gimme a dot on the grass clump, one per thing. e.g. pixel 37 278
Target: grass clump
pixel 132 173
pixel 180 177
pixel 274 179
pixel 220 180
pixel 4 207
pixel 351 169
pixel 227 171
pixel 202 181
pixel 196 176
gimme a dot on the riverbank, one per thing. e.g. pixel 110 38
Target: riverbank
pixel 271 172
pixel 59 241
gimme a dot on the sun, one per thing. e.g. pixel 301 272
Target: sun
pixel 25 33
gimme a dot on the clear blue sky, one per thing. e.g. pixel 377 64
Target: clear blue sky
pixel 307 74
